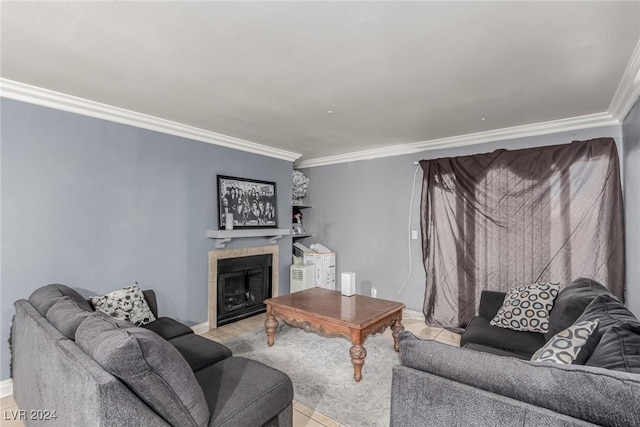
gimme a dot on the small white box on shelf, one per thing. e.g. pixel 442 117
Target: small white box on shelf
pixel 348 284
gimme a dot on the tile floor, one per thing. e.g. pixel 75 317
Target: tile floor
pixel 303 416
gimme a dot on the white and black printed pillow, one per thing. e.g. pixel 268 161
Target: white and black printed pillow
pixel 568 346
pixel 527 307
pixel 127 304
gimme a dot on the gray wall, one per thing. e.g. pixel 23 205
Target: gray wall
pixel 361 211
pixel 631 156
pixel 98 205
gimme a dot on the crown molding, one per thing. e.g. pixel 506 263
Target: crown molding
pixel 47 98
pixel 543 128
pixel 628 91
pixel 626 95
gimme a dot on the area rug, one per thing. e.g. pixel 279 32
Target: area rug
pixel 322 374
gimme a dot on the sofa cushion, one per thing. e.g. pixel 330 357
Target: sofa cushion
pixel 573 345
pixel 479 331
pixel 497 351
pixel 66 315
pixel 151 367
pixel 609 311
pixel 619 348
pixel 168 328
pixel 152 302
pixel 526 308
pixel 571 302
pixel 127 304
pixel 44 297
pixel 490 303
pixel 243 392
pixel 198 351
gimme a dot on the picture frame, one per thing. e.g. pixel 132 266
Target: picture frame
pixel 253 203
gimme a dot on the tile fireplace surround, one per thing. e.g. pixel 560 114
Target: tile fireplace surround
pixel 216 255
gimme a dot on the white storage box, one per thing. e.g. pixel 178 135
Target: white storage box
pixel 302 277
pixel 325 265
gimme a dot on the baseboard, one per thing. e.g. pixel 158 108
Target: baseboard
pixel 412 314
pixel 201 328
pixel 6 388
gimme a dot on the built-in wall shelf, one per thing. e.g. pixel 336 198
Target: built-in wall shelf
pixel 299 232
pixel 222 237
pixel 301 236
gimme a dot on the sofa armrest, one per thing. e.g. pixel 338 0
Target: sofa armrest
pixel 422 399
pixel 490 303
pixel 596 395
pixel 150 296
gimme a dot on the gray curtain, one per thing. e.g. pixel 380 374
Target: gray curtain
pixel 508 218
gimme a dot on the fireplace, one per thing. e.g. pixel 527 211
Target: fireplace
pixel 239 281
pixel 243 284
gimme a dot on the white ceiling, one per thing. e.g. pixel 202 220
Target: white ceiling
pixel 391 73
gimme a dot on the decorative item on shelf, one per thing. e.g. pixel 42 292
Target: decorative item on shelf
pixel 296 227
pixel 251 203
pixel 228 222
pixel 300 183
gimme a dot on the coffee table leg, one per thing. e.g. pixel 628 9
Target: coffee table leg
pixel 357 353
pixel 395 330
pixel 270 325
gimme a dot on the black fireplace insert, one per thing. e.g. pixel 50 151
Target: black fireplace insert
pixel 243 284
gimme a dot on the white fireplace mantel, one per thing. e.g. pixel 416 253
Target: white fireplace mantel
pixel 223 237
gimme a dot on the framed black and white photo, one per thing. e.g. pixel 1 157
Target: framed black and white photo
pixel 251 203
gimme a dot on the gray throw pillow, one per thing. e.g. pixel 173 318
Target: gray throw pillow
pixel 569 346
pixel 152 368
pixel 66 315
pixel 127 304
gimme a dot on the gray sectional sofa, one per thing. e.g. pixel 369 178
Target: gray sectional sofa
pixel 73 366
pixel 491 382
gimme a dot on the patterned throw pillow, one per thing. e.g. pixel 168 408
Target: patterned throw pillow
pixel 527 308
pixel 568 346
pixel 127 304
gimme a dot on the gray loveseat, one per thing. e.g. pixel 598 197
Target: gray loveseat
pixel 73 366
pixel 487 382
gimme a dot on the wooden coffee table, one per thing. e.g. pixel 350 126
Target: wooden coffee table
pixel 329 314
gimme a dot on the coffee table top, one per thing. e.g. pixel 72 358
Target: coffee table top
pixel 357 310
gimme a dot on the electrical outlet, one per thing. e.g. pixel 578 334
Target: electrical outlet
pixel 374 293
pixel 414 234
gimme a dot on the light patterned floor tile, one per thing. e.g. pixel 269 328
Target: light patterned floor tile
pixel 315 415
pixel 419 329
pixel 449 337
pixel 8 413
pixel 301 420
